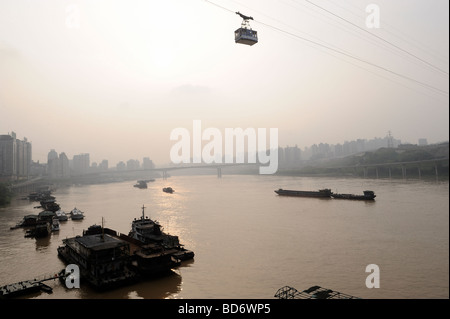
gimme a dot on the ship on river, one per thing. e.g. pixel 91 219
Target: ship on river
pixel 141 184
pixel 367 195
pixel 149 231
pixel 321 193
pixel 169 190
pixel 108 259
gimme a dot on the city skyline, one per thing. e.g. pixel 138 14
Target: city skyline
pixel 310 152
pixel 111 78
pixel 98 159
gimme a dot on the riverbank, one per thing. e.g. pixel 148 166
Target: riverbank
pixel 5 195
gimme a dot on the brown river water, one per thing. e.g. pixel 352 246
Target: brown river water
pixel 249 242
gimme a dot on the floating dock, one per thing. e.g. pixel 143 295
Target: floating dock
pixel 29 286
pixel 315 292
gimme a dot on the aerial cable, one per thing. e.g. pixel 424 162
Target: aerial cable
pixel 354 57
pixel 359 35
pixel 341 52
pixel 378 37
pixel 220 6
pixel 402 36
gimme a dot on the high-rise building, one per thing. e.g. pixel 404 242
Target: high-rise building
pixel 63 168
pixel 103 166
pixel 132 164
pixel 57 166
pixel 147 163
pixel 81 164
pixel 121 166
pixel 423 141
pixel 52 164
pixel 15 157
pixel 51 155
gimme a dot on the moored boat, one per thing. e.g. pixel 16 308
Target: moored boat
pixel 55 224
pixel 76 214
pixel 102 259
pixel 62 216
pixel 27 221
pixel 149 231
pixel 41 229
pixel 108 259
pixel 323 193
pixel 47 215
pixel 50 205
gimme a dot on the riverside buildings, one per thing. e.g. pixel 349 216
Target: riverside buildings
pixel 15 158
pixel 57 166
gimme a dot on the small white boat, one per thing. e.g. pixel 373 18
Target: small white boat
pixel 76 214
pixel 55 224
pixel 61 215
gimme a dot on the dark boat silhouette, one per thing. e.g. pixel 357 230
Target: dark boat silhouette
pixel 168 190
pixel 322 193
pixel 368 195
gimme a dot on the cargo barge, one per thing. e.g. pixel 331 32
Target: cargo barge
pixel 367 195
pixel 321 193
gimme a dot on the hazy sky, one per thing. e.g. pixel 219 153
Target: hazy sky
pixel 113 78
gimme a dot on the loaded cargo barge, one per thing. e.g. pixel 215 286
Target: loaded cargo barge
pixel 322 193
pixel 367 195
pixel 108 259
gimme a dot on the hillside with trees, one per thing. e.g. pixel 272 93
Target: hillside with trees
pixel 5 194
pixel 412 156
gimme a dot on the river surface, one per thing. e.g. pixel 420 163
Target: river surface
pixel 249 242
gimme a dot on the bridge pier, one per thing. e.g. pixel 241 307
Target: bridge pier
pixel 420 173
pixel 164 175
pixel 436 170
pixel 390 174
pixel 376 170
pixel 219 172
pixel 403 171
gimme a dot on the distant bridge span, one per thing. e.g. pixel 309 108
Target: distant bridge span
pixel 219 167
pixel 164 170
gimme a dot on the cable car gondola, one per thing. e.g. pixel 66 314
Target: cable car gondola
pixel 245 34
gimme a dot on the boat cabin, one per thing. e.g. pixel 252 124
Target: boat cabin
pixel 99 254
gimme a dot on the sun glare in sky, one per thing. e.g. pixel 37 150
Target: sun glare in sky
pixel 101 77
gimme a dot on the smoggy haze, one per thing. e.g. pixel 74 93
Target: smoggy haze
pixel 114 78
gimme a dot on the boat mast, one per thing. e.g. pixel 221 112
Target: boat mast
pixel 103 231
pixel 143 214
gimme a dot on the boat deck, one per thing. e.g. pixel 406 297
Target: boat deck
pixel 315 292
pixel 28 286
